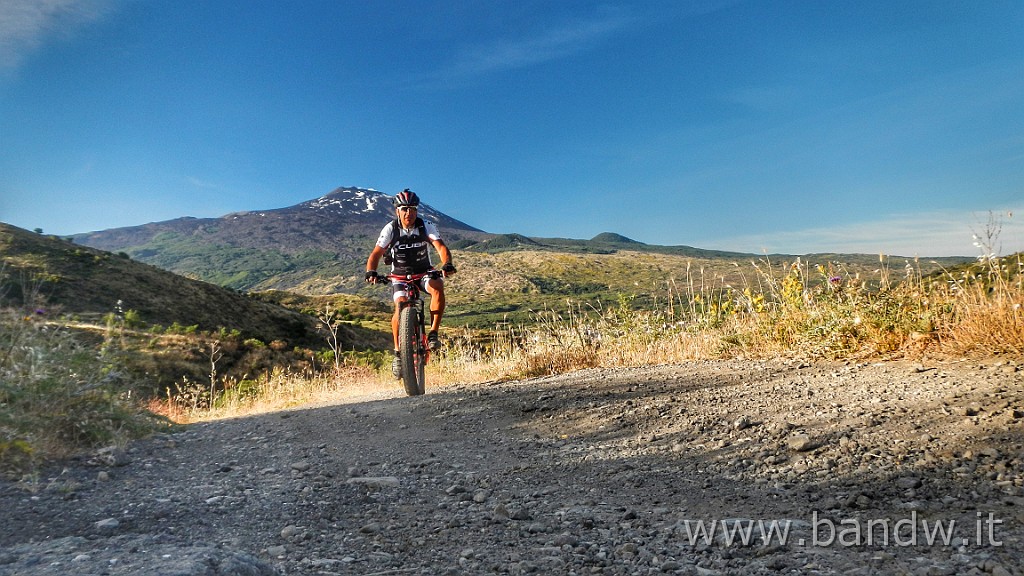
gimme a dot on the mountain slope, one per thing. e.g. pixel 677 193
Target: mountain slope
pixel 320 224
pixel 175 328
pixel 89 283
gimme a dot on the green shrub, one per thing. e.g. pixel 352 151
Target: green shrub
pixel 58 395
pixel 132 319
pixel 254 343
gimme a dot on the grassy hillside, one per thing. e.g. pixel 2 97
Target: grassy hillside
pixel 507 280
pixel 247 267
pixel 91 283
pixel 169 325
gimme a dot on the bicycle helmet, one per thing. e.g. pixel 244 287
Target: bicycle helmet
pixel 407 198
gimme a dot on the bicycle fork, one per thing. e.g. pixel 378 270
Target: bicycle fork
pixel 421 332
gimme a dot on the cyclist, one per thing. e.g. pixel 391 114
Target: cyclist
pixel 405 244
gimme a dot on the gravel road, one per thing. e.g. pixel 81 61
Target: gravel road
pixel 731 467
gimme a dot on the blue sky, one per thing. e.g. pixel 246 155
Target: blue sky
pixel 854 126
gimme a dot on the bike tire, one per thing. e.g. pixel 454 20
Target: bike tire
pixel 411 353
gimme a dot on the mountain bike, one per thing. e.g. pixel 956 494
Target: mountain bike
pixel 413 350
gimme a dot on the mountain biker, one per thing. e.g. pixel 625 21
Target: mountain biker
pixel 405 244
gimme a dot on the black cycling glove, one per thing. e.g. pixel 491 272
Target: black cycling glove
pixel 372 277
pixel 448 268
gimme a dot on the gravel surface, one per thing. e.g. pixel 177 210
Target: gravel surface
pixel 789 468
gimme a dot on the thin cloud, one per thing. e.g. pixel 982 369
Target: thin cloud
pixel 515 53
pixel 930 234
pixel 25 25
pixel 198 183
pixel 549 45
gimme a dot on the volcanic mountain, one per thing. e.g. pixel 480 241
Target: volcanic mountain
pixel 320 224
pixel 311 244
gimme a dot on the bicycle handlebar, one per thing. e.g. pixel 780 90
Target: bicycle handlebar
pixel 432 273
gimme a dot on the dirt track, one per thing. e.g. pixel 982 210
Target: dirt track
pixel 595 472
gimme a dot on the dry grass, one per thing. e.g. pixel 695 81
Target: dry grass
pixel 275 391
pixel 783 310
pixel 983 308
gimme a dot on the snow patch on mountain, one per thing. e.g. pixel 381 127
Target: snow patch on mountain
pixel 361 201
pixel 350 200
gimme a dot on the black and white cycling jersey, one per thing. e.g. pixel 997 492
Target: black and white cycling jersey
pixel 409 248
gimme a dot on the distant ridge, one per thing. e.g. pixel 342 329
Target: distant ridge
pixel 613 238
pixel 502 242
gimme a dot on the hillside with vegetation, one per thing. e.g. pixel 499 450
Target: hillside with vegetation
pixel 167 323
pixel 89 284
pixel 511 286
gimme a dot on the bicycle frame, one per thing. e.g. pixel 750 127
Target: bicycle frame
pixel 413 349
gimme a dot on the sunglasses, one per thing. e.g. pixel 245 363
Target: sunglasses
pixel 407 209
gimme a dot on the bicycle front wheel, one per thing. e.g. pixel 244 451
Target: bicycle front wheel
pixel 412 353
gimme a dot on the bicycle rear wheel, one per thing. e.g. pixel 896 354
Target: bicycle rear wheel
pixel 412 353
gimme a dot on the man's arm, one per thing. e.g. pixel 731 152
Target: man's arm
pixel 374 260
pixel 442 251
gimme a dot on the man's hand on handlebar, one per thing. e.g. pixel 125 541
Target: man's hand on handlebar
pixel 448 269
pixel 372 277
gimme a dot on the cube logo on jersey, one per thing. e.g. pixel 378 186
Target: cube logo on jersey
pixel 410 246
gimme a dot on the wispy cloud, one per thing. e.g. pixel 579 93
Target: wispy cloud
pixel 551 44
pixel 932 234
pixel 25 25
pixel 545 45
pixel 200 183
